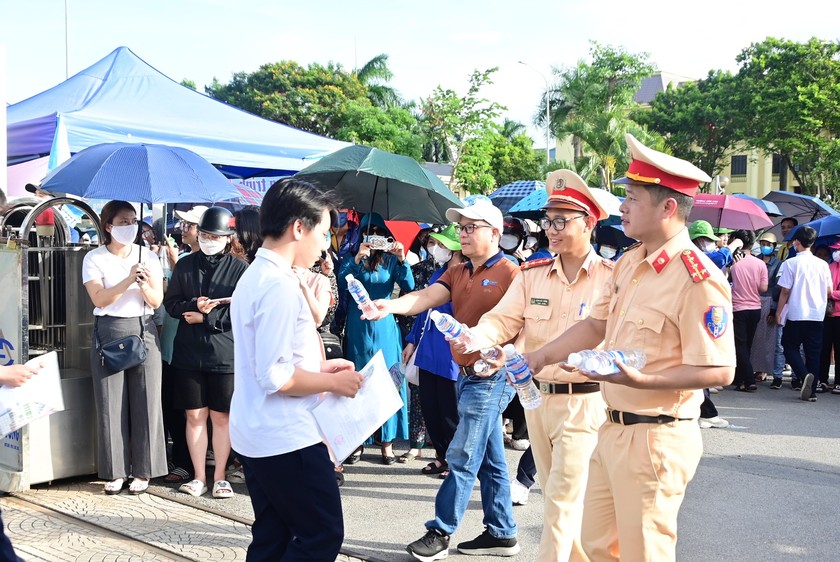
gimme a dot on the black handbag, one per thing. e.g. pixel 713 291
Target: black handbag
pixel 122 353
pixel 332 345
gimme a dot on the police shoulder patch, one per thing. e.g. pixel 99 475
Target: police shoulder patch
pixel 696 269
pixel 536 263
pixel 715 321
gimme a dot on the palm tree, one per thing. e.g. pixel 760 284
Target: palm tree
pixel 374 75
pixel 511 129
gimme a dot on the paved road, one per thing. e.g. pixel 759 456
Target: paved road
pixel 766 489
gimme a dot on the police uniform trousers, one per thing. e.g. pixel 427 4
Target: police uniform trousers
pixel 637 480
pixel 563 432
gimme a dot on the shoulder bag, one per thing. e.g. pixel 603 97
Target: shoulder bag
pixel 412 372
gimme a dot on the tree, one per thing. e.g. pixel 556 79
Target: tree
pixel 592 102
pixel 700 121
pixel 790 92
pixel 189 83
pixel 511 129
pixel 313 99
pixel 394 129
pixel 450 120
pixel 491 159
pixel 374 75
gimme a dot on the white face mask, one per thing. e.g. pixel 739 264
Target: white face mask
pixel 835 255
pixel 708 247
pixel 509 241
pixel 607 252
pixel 440 254
pixel 125 235
pixel 531 242
pixel 212 247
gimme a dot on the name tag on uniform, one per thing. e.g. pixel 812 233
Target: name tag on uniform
pixel 540 302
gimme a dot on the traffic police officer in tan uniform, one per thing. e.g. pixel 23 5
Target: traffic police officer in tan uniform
pixel 669 301
pixel 551 295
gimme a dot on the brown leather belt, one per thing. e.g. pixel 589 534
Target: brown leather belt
pixel 628 418
pixel 466 371
pixel 568 388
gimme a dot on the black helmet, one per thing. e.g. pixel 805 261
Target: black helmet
pixel 216 220
pixel 514 226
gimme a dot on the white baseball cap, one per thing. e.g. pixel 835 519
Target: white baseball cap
pixel 480 210
pixel 193 215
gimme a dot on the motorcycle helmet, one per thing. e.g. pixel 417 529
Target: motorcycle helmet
pixel 216 220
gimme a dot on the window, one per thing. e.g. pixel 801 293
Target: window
pixel 777 164
pixel 738 166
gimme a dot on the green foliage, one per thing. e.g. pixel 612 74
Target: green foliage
pixel 791 93
pixel 374 75
pixel 591 103
pixel 700 121
pixel 490 160
pixel 450 120
pixel 394 129
pixel 189 84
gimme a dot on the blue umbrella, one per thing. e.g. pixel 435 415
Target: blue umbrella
pixel 531 206
pixel 804 208
pixel 768 207
pixel 508 195
pixel 828 229
pixel 141 173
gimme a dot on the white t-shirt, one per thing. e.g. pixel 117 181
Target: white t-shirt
pixel 271 336
pixel 808 279
pixel 111 270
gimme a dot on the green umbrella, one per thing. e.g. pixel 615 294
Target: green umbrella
pixel 372 180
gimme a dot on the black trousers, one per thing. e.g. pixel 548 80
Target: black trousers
pixel 439 403
pixel 174 422
pixel 516 414
pixel 526 472
pixel 806 334
pixel 297 507
pixel 745 323
pixel 831 339
pixel 707 408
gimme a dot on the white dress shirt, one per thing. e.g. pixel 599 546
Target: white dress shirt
pixel 273 331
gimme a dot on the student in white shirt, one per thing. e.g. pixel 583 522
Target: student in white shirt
pixel 278 377
pixel 126 288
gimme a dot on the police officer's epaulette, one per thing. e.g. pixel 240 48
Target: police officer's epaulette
pixel 696 269
pixel 536 263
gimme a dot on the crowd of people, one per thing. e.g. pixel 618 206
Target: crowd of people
pixel 232 368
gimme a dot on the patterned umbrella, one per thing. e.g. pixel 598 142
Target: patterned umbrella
pixel 726 211
pixel 508 195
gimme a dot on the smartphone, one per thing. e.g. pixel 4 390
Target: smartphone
pixel 225 300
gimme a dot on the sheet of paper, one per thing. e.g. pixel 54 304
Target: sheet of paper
pixel 38 397
pixel 345 422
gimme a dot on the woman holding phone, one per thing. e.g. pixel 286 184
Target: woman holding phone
pixel 202 359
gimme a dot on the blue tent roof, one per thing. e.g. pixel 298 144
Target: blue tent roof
pixel 123 99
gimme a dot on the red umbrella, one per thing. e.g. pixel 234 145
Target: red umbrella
pixel 725 211
pixel 404 231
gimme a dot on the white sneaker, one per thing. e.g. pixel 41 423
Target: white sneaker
pixel 520 444
pixel 714 390
pixel 717 422
pixel 518 492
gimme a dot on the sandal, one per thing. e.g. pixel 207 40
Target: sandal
pixel 443 474
pixel 114 486
pixel 388 460
pixel 435 467
pixel 177 475
pixel 355 457
pixel 194 488
pixel 138 486
pixel 222 489
pixel 407 457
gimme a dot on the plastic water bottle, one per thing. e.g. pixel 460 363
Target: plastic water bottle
pixel 603 362
pixel 482 366
pixel 520 376
pixel 579 358
pixel 453 329
pixel 361 296
pixel 163 256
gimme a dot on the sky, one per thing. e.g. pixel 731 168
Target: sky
pixel 429 43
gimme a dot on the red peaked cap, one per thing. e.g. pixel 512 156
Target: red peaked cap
pixel 654 167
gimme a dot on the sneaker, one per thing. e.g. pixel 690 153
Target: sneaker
pixel 836 389
pixel 795 384
pixel 714 390
pixel 787 370
pixel 776 384
pixel 717 422
pixel 518 492
pixel 520 444
pixel 485 543
pixel 432 546
pixel 805 392
pixel 821 388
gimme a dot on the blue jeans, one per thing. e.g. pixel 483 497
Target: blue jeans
pixel 779 358
pixel 478 450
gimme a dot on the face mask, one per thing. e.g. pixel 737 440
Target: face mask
pixel 125 235
pixel 509 241
pixel 709 247
pixel 341 220
pixel 766 250
pixel 440 254
pixel 531 242
pixel 211 247
pixel 835 256
pixel 607 252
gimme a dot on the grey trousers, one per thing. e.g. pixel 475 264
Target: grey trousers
pixel 130 435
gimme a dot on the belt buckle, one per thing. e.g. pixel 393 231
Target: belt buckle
pixel 545 387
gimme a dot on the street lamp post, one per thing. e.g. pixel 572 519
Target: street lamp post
pixel 547 113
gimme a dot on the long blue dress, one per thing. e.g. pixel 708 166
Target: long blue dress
pixel 364 338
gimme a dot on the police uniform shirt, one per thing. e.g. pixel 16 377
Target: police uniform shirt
pixel 675 306
pixel 543 304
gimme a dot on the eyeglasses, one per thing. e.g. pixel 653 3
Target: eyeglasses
pixel 205 236
pixel 558 224
pixel 187 225
pixel 469 228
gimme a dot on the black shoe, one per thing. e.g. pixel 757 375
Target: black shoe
pixel 485 543
pixel 806 393
pixel 434 545
pixel 795 384
pixel 776 384
pixel 812 398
